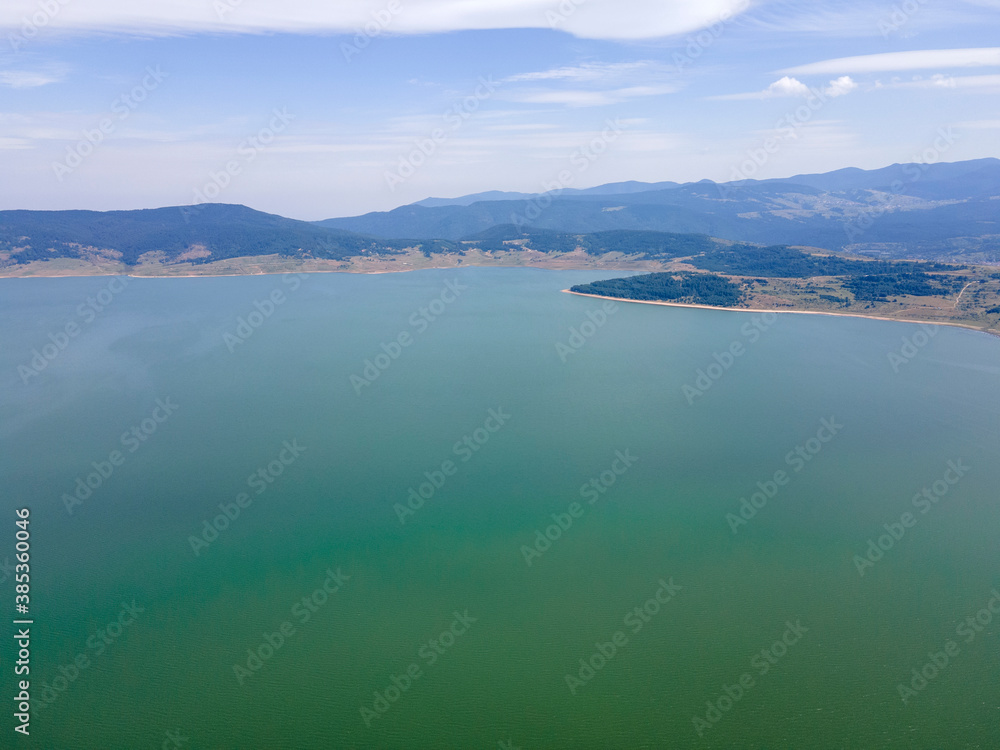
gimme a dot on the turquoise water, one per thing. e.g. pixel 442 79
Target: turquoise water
pixel 449 589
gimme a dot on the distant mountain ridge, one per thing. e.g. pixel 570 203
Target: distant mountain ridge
pixel 614 188
pixel 903 210
pixel 848 178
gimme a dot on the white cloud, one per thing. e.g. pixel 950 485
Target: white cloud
pixel 786 87
pixel 915 60
pixel 624 19
pixel 793 87
pixel 840 87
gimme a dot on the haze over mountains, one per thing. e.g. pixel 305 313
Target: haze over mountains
pixel 945 211
pixel 918 210
pixel 613 188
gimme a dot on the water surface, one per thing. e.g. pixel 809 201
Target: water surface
pixel 503 678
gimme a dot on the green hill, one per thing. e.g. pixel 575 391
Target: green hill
pixel 195 234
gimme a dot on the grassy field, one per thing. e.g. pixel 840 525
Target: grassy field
pixel 976 305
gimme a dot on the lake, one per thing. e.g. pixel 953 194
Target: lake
pixel 460 509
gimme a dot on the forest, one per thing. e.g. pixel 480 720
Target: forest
pixel 780 261
pixel 694 288
pixel 878 288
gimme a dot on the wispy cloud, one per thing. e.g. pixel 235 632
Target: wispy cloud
pixel 27 79
pixel 13 143
pixel 573 98
pixel 979 125
pixel 798 17
pixel 863 18
pixel 592 84
pixel 986 83
pixel 589 72
pixel 894 61
pixel 527 126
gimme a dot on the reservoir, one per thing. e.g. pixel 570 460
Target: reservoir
pixel 460 509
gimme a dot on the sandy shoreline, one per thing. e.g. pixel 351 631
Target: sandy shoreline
pixel 787 312
pixel 268 265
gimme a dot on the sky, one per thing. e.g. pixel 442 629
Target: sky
pixel 314 109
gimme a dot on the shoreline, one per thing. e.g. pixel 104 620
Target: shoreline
pixel 786 312
pixel 374 272
pixel 212 275
pixel 73 274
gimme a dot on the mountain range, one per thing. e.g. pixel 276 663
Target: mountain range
pixel 943 211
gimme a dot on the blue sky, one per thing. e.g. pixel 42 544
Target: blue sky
pixel 295 108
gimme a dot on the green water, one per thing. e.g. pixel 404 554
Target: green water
pixel 502 679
